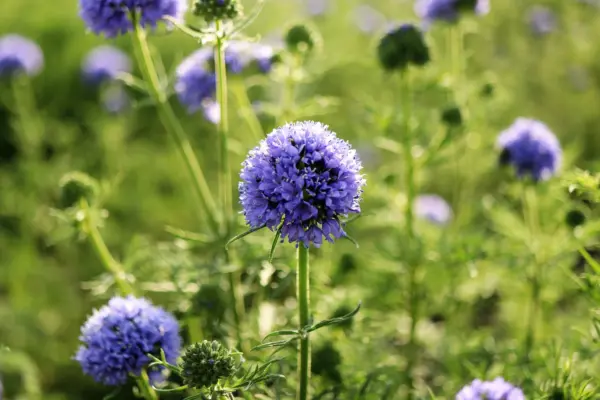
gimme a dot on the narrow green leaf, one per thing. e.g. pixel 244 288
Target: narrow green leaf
pixel 590 260
pixel 275 241
pixel 351 239
pixel 187 235
pixel 177 389
pixel 188 30
pixel 277 343
pixel 250 18
pixel 242 235
pixel 284 332
pixel 336 320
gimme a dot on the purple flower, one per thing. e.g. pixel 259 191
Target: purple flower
pixel 104 63
pixel 19 55
pixel 531 148
pixel 498 389
pixel 542 20
pixel 449 10
pixel 303 179
pixel 113 17
pixel 432 208
pixel 118 337
pixel 195 83
pixel 241 55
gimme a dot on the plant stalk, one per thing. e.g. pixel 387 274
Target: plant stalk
pixel 303 296
pixel 173 126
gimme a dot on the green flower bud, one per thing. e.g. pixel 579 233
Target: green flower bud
pixel 302 39
pixel 212 10
pixel 402 47
pixel 204 364
pixel 75 186
pixel 574 218
pixel 452 117
pixel 326 363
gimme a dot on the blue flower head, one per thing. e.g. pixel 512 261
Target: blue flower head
pixel 19 55
pixel 240 56
pixel 449 10
pixel 118 337
pixel 432 208
pixel 542 20
pixel 498 389
pixel 531 148
pixel 103 64
pixel 195 82
pixel 113 17
pixel 303 179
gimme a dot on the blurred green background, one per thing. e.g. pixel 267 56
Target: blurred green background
pixel 554 78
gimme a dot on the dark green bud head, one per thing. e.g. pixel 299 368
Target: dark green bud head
pixel 204 364
pixel 452 117
pixel 302 39
pixel 75 186
pixel 212 10
pixel 401 47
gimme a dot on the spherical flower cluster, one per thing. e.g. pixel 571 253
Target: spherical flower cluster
pixel 19 55
pixel 302 38
pixel 204 364
pixel 531 148
pixel 195 82
pixel 449 10
pixel 498 389
pixel 303 179
pixel 542 20
pixel 212 10
pixel 402 46
pixel 118 337
pixel 104 63
pixel 432 208
pixel 113 17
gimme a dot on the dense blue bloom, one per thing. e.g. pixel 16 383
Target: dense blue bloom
pixel 432 208
pixel 104 63
pixel 113 17
pixel 195 81
pixel 302 178
pixel 498 389
pixel 542 20
pixel 118 337
pixel 531 148
pixel 449 10
pixel 18 54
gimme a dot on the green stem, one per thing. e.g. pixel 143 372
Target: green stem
pixel 245 109
pixel 534 278
pixel 409 170
pixel 303 295
pixel 29 125
pixel 456 62
pixel 225 185
pixel 143 382
pixel 111 265
pixel 173 126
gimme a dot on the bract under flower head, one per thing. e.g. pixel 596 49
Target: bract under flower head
pixel 118 337
pixel 433 208
pixel 104 63
pixel 302 178
pixel 19 55
pixel 449 10
pixel 531 148
pixel 113 17
pixel 498 389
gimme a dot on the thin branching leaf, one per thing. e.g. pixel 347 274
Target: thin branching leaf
pixel 249 19
pixel 333 321
pixel 351 239
pixel 284 332
pixel 275 242
pixel 243 235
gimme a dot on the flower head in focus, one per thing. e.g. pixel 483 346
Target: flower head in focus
pixel 432 208
pixel 402 46
pixel 104 63
pixel 19 55
pixel 531 148
pixel 302 179
pixel 118 337
pixel 113 17
pixel 498 389
pixel 204 364
pixel 542 20
pixel 449 10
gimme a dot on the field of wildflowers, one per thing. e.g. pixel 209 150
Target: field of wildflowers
pixel 299 199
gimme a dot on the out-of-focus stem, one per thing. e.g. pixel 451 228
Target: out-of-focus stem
pixel 29 124
pixel 173 126
pixel 303 296
pixel 245 109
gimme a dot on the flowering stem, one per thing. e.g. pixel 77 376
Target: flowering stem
pixel 146 390
pixel 530 215
pixel 173 126
pixel 111 265
pixel 409 169
pixel 234 278
pixel 303 295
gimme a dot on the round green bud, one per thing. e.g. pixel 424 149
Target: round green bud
pixel 326 361
pixel 204 364
pixel 302 38
pixel 75 186
pixel 452 117
pixel 212 10
pixel 401 47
